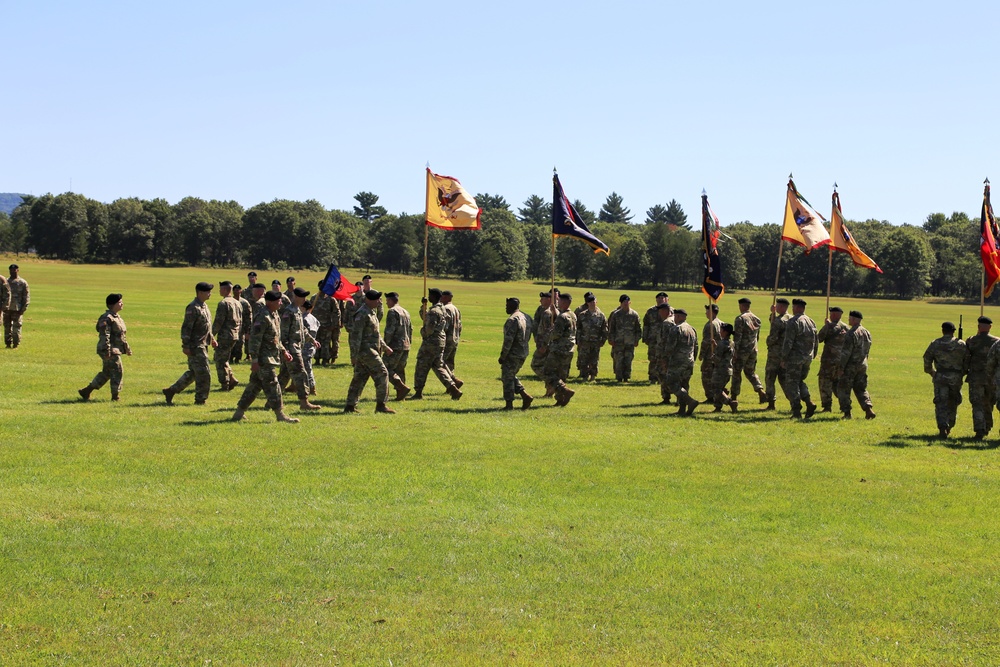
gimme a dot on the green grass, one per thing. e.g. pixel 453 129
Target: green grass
pixel 606 532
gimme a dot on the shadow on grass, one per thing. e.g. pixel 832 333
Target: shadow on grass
pixel 900 441
pixel 500 410
pixel 69 401
pixel 758 417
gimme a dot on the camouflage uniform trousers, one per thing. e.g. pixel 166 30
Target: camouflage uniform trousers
pixel 707 371
pixel 431 358
pixel 266 380
pixel 854 380
pixel 982 396
pixel 555 364
pixel 654 363
pixel 947 398
pixel 294 370
pixel 237 353
pixel 329 343
pixel 564 366
pixel 110 370
pixel 223 353
pixel 509 369
pixel 588 355
pixel 308 355
pixel 538 363
pixel 449 357
pixel 622 356
pixel 12 320
pixel 827 382
pixel 199 371
pixel 794 384
pixel 773 372
pixel 395 364
pixel 675 381
pixel 745 366
pixel 720 380
pixel 368 366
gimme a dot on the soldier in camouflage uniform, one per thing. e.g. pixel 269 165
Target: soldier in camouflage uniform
pixel 326 310
pixel 832 335
pixel 16 303
pixel 430 356
pixel 257 304
pixel 945 361
pixel 366 284
pixel 266 351
pixel 398 337
pixel 111 344
pixel 624 332
pixel 722 368
pixel 293 338
pixel 853 367
pixel 246 320
pixel 196 336
pixel 561 343
pixel 251 281
pixel 797 352
pixel 453 332
pixel 4 295
pixel 710 335
pixel 977 349
pixel 591 334
pixel 350 305
pixel 775 340
pixel 678 343
pixel 276 288
pixel 367 348
pixel 226 329
pixel 650 329
pixel 541 323
pixel 746 332
pixel 516 333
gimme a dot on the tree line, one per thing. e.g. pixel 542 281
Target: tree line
pixel 939 258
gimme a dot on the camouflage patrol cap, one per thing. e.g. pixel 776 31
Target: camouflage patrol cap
pixel 744 300
pixel 782 300
pixel 204 287
pixel 857 314
pixel 984 320
pixel 392 295
pixel 226 283
pixel 373 295
pixel 299 292
pixel 623 298
pixel 947 326
pixel 112 299
pixel 836 309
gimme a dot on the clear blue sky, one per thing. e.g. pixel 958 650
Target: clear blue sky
pixel 253 101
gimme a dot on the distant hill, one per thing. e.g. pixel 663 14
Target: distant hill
pixel 9 201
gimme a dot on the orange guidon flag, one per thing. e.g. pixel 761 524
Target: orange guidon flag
pixel 449 206
pixel 842 240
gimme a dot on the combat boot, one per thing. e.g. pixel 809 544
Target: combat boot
pixel 238 416
pixel 85 392
pixel 282 417
pixel 233 383
pixel 549 390
pixel 508 405
pixel 692 404
pixel 351 409
pixel 455 392
pixel 304 404
pixel 734 405
pixel 417 395
pixel 810 410
pixel 458 383
pixel 847 415
pixel 762 395
pixel 827 407
pixel 526 400
pixel 796 413
pixel 169 393
pixel 718 407
pixel 563 396
pixel 770 405
pixel 114 397
pixel 401 389
pixel 312 391
pixel 382 407
pixel 869 413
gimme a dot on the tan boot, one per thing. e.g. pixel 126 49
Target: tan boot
pixel 304 404
pixel 526 400
pixel 282 417
pixel 382 407
pixel 238 416
pixel 456 393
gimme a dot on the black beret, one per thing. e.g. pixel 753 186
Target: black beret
pixel 13 266
pixel 392 295
pixel 744 300
pixel 798 302
pixel 373 295
pixel 713 306
pixel 984 320
pixel 366 277
pixel 782 300
pixel 727 327
pixel 947 326
pixel 586 294
pixel 112 299
pixel 434 290
pixel 290 279
pixel 204 287
pixel 836 309
pixel 307 305
pixel 237 286
pixel 226 283
pixel 680 311
pixel 275 282
pixel 857 314
pixel 589 296
pixel 623 298
pixel 662 294
pixel 298 291
pixel 272 296
pixel 663 306
pixel 258 286
pixel 252 274
pixel 514 300
pixel 567 296
pixel 358 284
pixel 446 292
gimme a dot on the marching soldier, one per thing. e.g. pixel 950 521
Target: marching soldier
pixel 650 329
pixel 722 368
pixel 775 340
pixel 398 337
pixel 624 332
pixel 797 352
pixel 945 361
pixel 591 334
pixel 854 367
pixel 832 335
pixel 13 311
pixel 367 347
pixel 196 336
pixel 111 344
pixel 4 295
pixel 561 343
pixel 226 329
pixel 266 352
pixel 453 332
pixel 746 333
pixel 541 323
pixel 516 333
pixel 246 321
pixel 430 356
pixel 678 345
pixel 710 335
pixel 293 337
pixel 981 396
pixel 326 310
pixel 666 315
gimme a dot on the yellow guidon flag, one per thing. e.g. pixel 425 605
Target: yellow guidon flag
pixel 449 206
pixel 803 224
pixel 844 242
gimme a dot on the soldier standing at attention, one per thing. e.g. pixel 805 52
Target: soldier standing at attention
pixel 561 343
pixel 196 336
pixel 246 320
pixel 226 330
pixel 591 334
pixel 367 347
pixel 945 361
pixel 854 367
pixel 679 342
pixel 293 338
pixel 746 332
pixel 650 329
pixel 666 315
pixel 516 333
pixel 453 333
pixel 624 332
pixel 326 310
pixel 722 369
pixel 13 312
pixel 111 344
pixel 775 340
pixel 430 356
pixel 266 352
pixel 541 323
pixel 832 335
pixel 710 335
pixel 981 396
pixel 398 337
pixel 4 295
pixel 797 352
pixel 251 281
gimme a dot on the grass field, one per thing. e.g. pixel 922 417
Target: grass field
pixel 605 532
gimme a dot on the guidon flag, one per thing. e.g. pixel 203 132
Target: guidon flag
pixel 337 286
pixel 449 206
pixel 842 240
pixel 803 225
pixel 567 222
pixel 988 233
pixel 712 285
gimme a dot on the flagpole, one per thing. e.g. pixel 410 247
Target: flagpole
pixel 427 232
pixel 982 290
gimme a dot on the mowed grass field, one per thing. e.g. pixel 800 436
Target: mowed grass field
pixel 606 532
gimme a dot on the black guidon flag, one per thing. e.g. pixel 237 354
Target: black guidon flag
pixel 712 285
